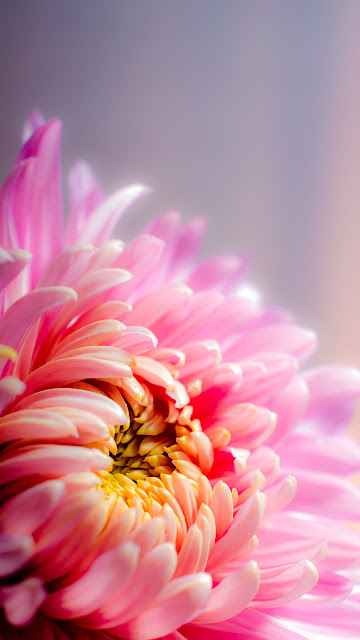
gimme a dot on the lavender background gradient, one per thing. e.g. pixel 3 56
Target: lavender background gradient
pixel 248 112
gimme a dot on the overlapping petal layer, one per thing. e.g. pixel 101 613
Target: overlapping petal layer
pixel 165 468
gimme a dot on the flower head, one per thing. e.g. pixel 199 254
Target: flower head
pixel 154 426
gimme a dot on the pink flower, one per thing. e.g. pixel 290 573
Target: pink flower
pixel 153 428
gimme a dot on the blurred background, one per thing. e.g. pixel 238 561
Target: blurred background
pixel 247 112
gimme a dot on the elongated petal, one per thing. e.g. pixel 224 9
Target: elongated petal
pixel 91 590
pixel 102 222
pixel 21 601
pixel 15 551
pixel 51 461
pixel 182 601
pixel 20 317
pixel 28 510
pixel 231 596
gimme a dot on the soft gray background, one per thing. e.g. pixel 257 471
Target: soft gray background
pixel 246 111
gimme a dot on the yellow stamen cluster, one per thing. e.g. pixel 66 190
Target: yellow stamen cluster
pixel 152 440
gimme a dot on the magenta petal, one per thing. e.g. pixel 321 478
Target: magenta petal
pixel 85 196
pixel 152 399
pixel 45 231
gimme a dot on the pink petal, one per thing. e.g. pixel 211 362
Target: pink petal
pixel 45 231
pixel 308 451
pixel 187 244
pixel 99 362
pixel 221 273
pixel 151 579
pixel 190 552
pixel 331 387
pixel 101 223
pixel 91 591
pixel 28 510
pixel 15 551
pixel 51 461
pixel 244 525
pixel 231 596
pixel 181 601
pixel 106 409
pixel 85 196
pixel 323 493
pixel 11 264
pixel 21 601
pixel 290 339
pixel 35 425
pixel 153 372
pixel 9 388
pixel 34 121
pixel 95 334
pixel 290 585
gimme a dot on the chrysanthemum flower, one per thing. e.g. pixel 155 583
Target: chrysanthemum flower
pixel 154 426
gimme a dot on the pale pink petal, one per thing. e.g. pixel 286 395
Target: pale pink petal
pixel 221 273
pixel 34 121
pixel 9 388
pixel 231 596
pixel 91 363
pixel 289 339
pixel 199 357
pixel 101 223
pixel 91 591
pixel 251 623
pixel 182 600
pixel 35 425
pixel 287 530
pixel 28 510
pixel 19 318
pixel 85 196
pixel 306 451
pixel 151 579
pixel 331 388
pixel 243 527
pixel 51 461
pixel 323 493
pixel 186 247
pixel 11 264
pixel 289 585
pixel 95 334
pixel 136 340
